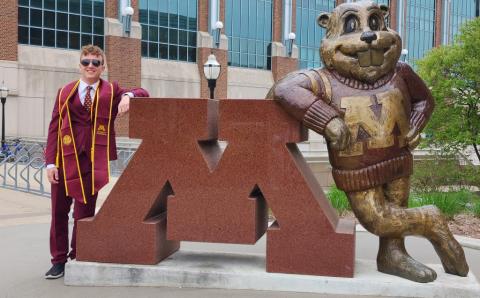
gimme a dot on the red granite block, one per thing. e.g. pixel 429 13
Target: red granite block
pixel 181 186
pixel 308 237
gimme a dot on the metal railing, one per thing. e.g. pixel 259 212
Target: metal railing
pixel 123 157
pixel 22 166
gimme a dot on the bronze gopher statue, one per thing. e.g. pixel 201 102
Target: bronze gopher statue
pixel 371 109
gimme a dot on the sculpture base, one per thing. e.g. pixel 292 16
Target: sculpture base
pixel 235 271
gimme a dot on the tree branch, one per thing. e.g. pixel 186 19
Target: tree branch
pixel 476 151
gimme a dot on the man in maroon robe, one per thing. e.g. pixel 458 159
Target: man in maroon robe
pixel 80 144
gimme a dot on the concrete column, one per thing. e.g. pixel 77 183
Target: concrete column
pixel 438 22
pixel 9 45
pixel 123 54
pixel 278 17
pixel 282 63
pixel 205 47
pixel 202 15
pixel 8 30
pixel 393 15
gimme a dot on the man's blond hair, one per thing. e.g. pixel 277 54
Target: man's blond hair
pixel 94 50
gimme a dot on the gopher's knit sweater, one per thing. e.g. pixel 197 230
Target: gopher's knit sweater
pixel 379 116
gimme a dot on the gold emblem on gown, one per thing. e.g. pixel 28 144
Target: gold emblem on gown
pixel 67 140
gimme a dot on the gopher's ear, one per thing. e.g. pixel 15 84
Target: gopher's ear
pixel 385 10
pixel 323 19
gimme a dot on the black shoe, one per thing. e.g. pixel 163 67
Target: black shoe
pixel 56 271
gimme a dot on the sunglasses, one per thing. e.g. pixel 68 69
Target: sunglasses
pixel 95 62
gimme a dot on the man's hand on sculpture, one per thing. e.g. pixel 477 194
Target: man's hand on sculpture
pixel 52 175
pixel 124 105
pixel 337 133
pixel 413 139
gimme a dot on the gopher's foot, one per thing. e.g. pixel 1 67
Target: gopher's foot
pixel 448 249
pixel 399 263
pixel 451 254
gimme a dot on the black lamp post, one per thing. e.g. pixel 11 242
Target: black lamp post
pixel 3 96
pixel 211 70
pixel 291 39
pixel 126 12
pixel 404 55
pixel 217 33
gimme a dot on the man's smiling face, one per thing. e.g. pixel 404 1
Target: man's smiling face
pixel 91 72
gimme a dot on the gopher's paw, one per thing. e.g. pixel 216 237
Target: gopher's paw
pixel 401 264
pixel 337 133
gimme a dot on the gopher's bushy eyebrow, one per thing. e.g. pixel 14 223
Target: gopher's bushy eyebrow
pixel 373 7
pixel 348 10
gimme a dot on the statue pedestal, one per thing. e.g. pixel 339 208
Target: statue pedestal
pixel 242 271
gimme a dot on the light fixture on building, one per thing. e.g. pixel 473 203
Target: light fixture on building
pixel 404 54
pixel 291 39
pixel 126 13
pixel 3 96
pixel 211 70
pixel 217 31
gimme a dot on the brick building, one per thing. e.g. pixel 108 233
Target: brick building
pixel 170 40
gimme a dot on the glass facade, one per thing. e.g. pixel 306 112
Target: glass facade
pixel 67 24
pixel 248 25
pixel 386 2
pixel 169 29
pixel 309 34
pixel 458 12
pixel 419 28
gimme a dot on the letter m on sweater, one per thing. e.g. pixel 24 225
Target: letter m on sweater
pixel 374 120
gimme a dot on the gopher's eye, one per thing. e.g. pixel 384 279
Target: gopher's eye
pixel 374 22
pixel 351 24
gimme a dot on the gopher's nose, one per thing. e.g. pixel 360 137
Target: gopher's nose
pixel 368 36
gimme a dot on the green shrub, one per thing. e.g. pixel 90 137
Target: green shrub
pixel 338 199
pixel 450 203
pixel 476 208
pixel 435 174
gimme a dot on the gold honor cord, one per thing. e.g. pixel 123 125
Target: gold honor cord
pixel 60 117
pixel 57 157
pixel 94 134
pixel 76 155
pixel 92 149
pixel 108 130
pixel 74 146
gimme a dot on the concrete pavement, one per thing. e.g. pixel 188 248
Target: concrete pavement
pixel 24 258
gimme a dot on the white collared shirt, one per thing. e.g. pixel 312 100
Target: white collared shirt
pixel 82 90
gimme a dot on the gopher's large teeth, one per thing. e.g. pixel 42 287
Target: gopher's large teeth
pixel 372 57
pixel 364 58
pixel 377 57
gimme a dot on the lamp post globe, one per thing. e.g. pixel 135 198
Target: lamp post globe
pixel 3 96
pixel 211 70
pixel 128 11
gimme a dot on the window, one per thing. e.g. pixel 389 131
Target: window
pixel 309 34
pixel 249 30
pixel 169 29
pixel 385 2
pixel 457 13
pixel 67 24
pixel 419 28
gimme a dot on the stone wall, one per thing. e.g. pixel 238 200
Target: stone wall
pixel 34 80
